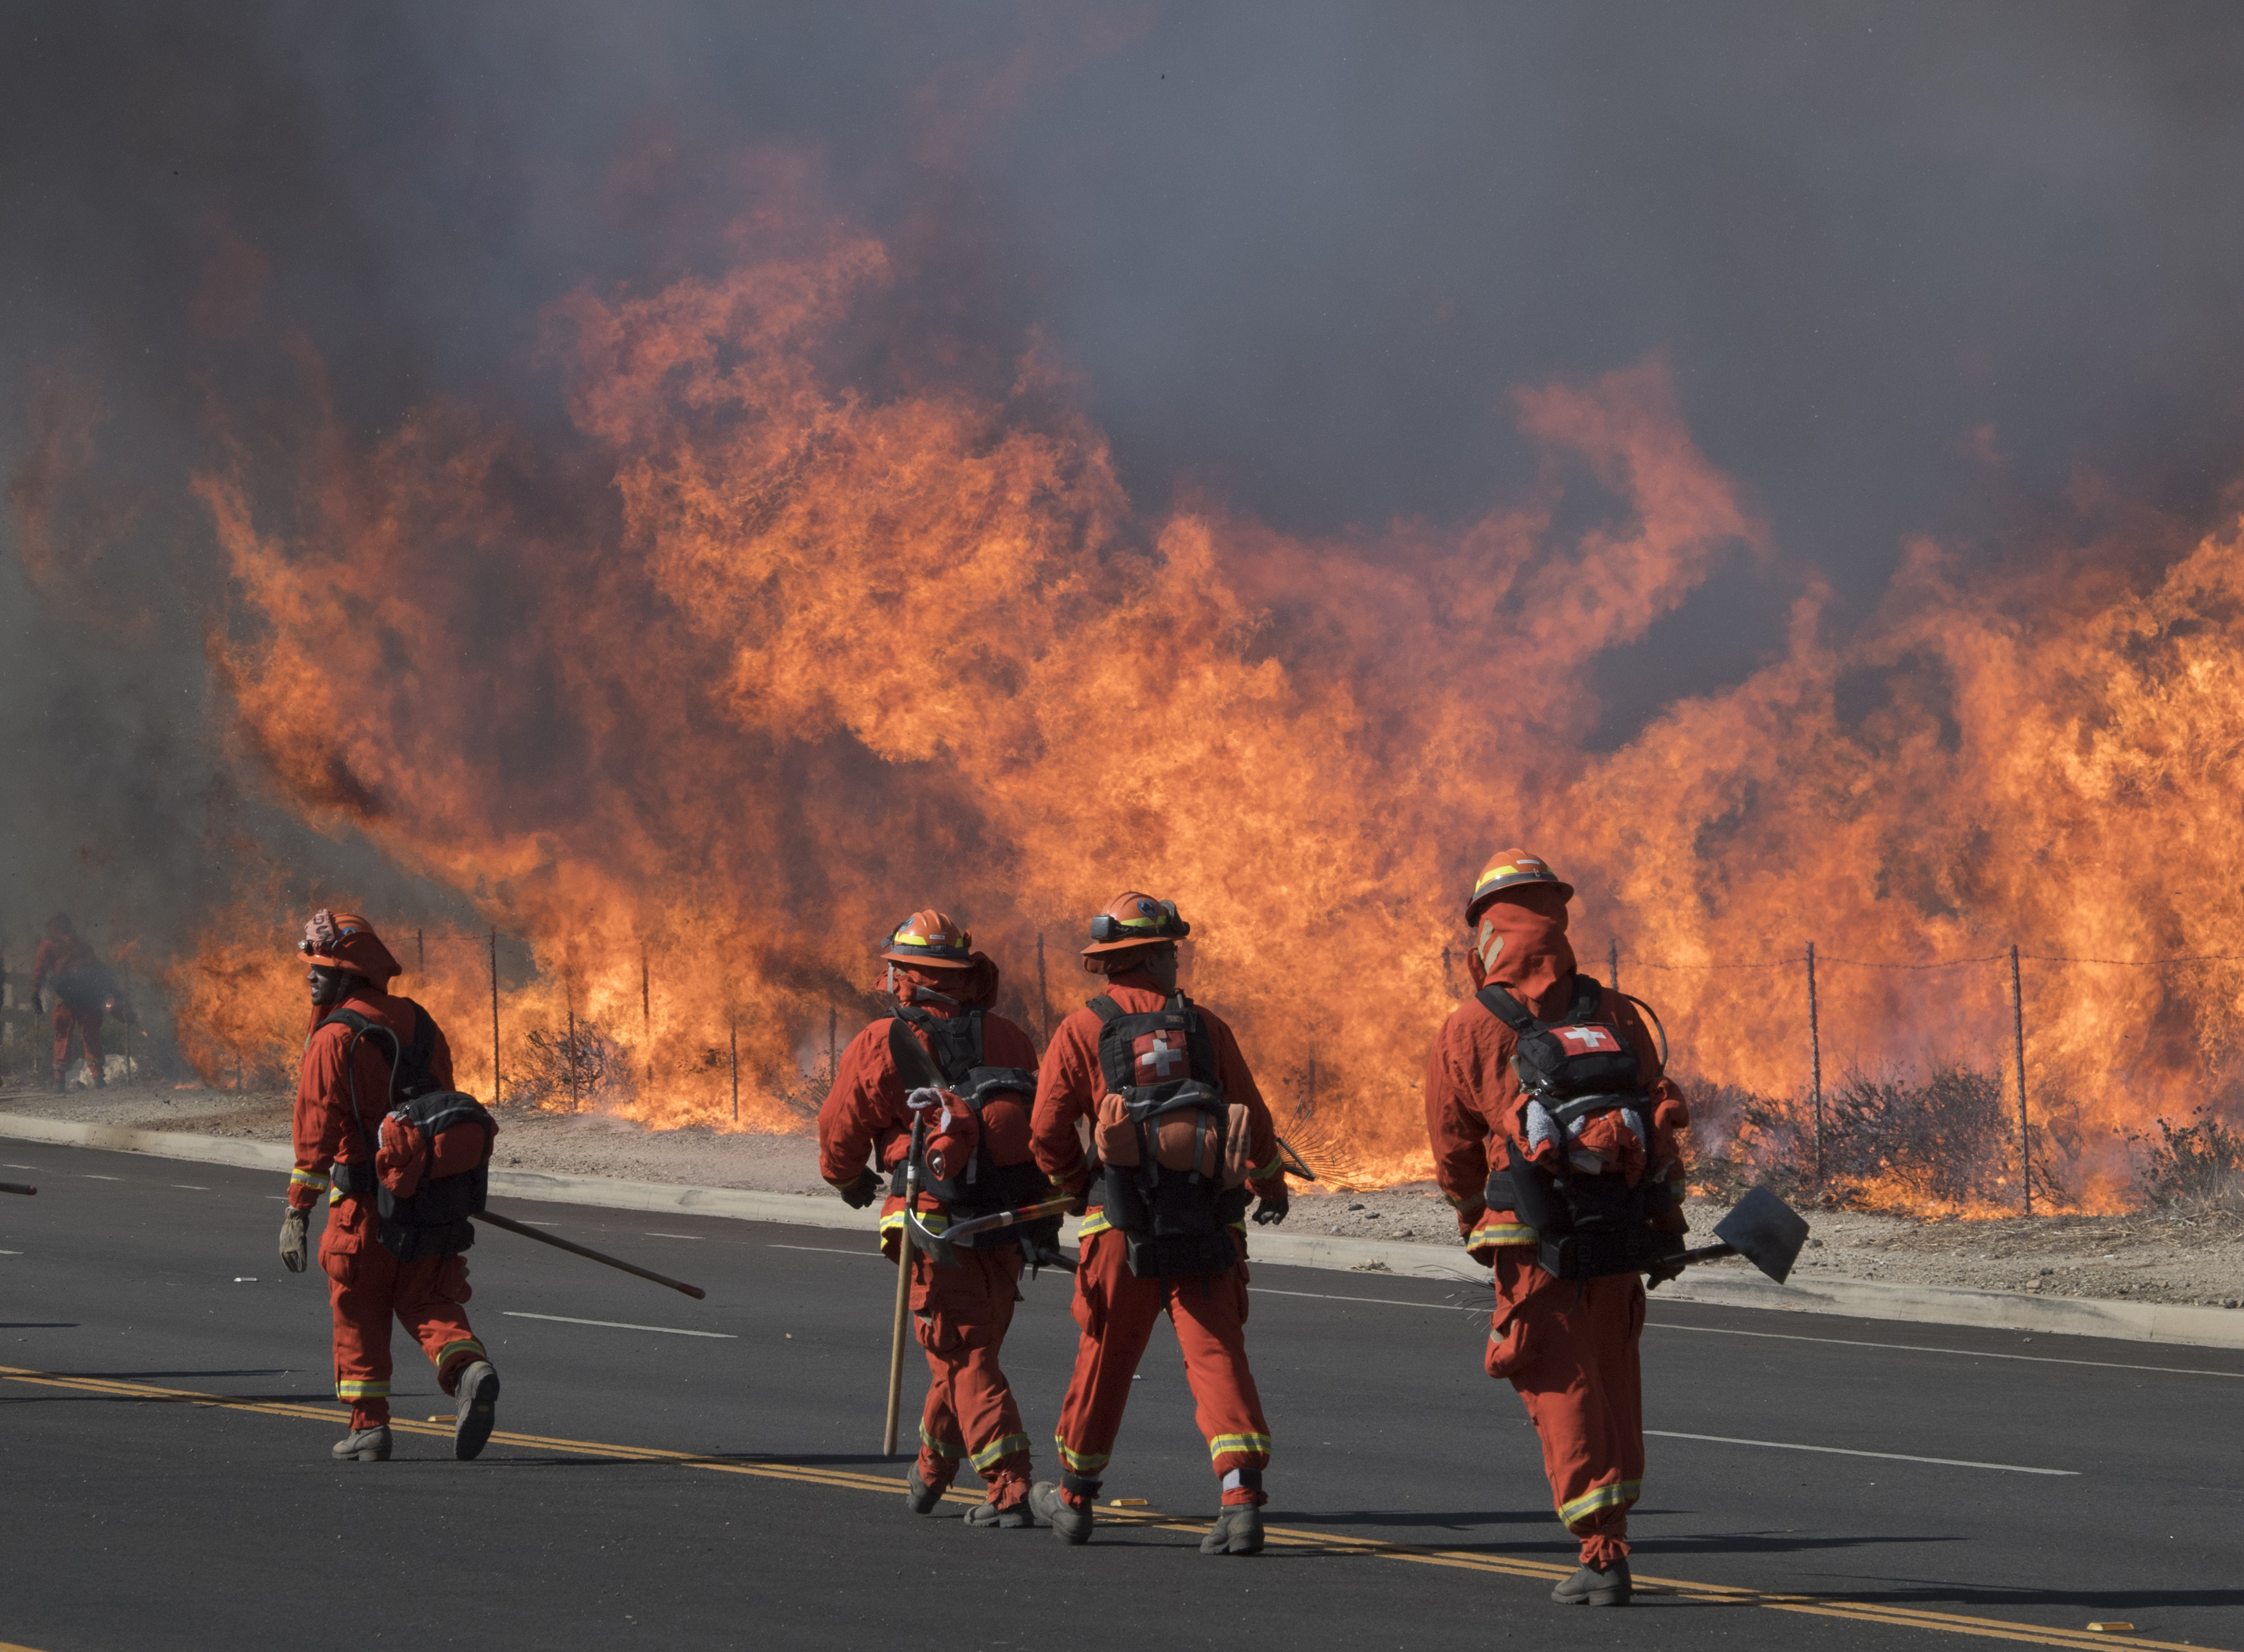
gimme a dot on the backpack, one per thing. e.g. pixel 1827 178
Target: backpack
pixel 1575 1070
pixel 432 1220
pixel 984 1185
pixel 1176 1218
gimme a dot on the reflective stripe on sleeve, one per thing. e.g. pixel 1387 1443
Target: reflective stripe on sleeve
pixel 304 1178
pixel 1499 1229
pixel 1094 1222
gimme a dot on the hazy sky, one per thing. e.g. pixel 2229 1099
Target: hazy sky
pixel 1916 271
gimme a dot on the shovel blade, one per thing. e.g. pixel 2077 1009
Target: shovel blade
pixel 1765 1231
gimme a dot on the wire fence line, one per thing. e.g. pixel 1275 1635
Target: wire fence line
pixel 1809 958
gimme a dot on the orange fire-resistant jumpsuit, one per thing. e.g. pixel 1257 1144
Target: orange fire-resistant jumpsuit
pixel 1115 1308
pixel 65 960
pixel 960 1314
pixel 365 1284
pixel 1569 1347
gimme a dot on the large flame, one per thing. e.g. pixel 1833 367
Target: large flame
pixel 793 631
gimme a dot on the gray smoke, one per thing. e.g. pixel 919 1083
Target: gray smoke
pixel 1969 272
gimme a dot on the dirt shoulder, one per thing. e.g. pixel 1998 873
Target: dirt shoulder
pixel 2146 1257
pixel 2195 1257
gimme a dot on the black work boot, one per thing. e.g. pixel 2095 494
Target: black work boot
pixel 363 1446
pixel 1589 1586
pixel 1238 1530
pixel 60 1086
pixel 1009 1519
pixel 1072 1524
pixel 478 1396
pixel 918 1497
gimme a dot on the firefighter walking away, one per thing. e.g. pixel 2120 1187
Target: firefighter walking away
pixel 974 1160
pixel 1181 1137
pixel 66 963
pixel 1554 1130
pixel 402 1158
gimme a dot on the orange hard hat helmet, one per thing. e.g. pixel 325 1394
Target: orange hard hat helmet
pixel 1510 870
pixel 930 940
pixel 1135 919
pixel 344 940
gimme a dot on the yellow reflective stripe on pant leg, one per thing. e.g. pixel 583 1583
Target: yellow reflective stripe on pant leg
pixel 353 1390
pixel 939 1447
pixel 472 1344
pixel 997 1449
pixel 1616 1495
pixel 1222 1443
pixel 1081 1462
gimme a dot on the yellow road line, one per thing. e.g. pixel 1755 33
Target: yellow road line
pixel 1151 1519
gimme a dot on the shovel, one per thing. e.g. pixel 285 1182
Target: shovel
pixel 1762 1229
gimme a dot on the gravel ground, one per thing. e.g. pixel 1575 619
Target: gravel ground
pixel 2182 1257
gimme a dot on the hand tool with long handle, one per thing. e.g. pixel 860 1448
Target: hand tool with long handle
pixel 574 1249
pixel 917 1070
pixel 16 1187
pixel 903 1296
pixel 938 1244
pixel 1762 1229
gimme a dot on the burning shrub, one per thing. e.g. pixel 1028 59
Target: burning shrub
pixel 2197 1164
pixel 1739 1138
pixel 563 1071
pixel 1945 1140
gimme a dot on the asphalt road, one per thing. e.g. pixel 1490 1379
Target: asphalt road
pixel 725 1490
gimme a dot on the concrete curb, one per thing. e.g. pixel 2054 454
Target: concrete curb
pixel 1723 1285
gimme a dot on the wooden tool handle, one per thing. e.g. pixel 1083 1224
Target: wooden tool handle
pixel 587 1252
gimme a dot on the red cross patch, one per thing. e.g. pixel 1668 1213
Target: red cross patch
pixel 1160 1058
pixel 1588 1041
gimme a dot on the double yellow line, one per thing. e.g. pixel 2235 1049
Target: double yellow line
pixel 889 1485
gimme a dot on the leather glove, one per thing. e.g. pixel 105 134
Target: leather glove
pixel 859 1193
pixel 1668 1267
pixel 292 1246
pixel 1270 1208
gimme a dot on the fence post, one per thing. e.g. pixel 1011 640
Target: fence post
pixel 496 1088
pixel 568 1000
pixel 1816 1060
pixel 645 1016
pixel 734 1018
pixel 2019 1050
pixel 420 952
pixel 1043 993
pixel 1613 962
pixel 832 1046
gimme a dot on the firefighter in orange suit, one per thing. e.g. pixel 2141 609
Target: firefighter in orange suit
pixel 1182 1134
pixel 1554 1132
pixel 81 986
pixel 350 969
pixel 961 1310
